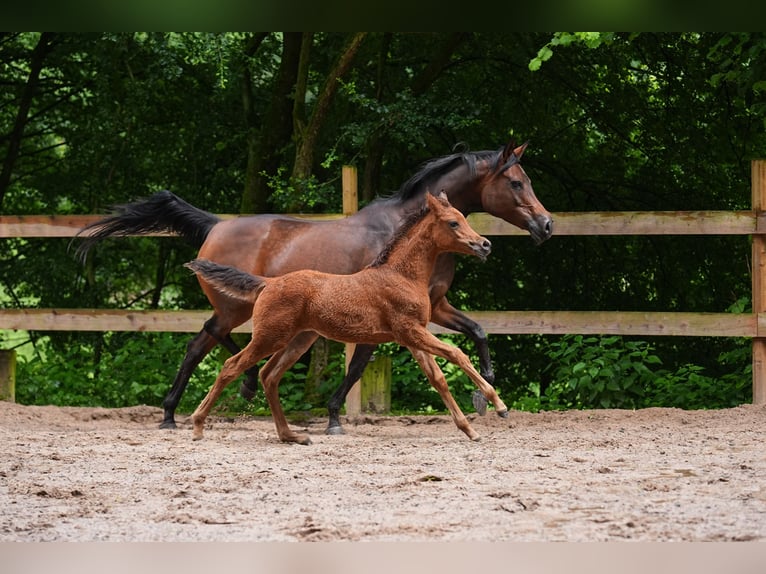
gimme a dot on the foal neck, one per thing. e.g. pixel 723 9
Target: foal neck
pixel 414 254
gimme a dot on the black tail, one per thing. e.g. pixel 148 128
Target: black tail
pixel 228 280
pixel 162 212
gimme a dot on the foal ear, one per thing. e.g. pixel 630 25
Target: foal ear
pixel 438 199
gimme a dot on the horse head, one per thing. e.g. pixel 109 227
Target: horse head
pixel 508 194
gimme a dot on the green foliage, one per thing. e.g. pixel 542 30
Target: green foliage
pixel 617 122
pixel 121 370
pixel 610 372
pixel 605 372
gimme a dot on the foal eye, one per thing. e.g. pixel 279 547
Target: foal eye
pixel 454 224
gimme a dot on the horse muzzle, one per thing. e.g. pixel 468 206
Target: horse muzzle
pixel 541 228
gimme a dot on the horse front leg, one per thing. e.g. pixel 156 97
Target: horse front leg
pixel 356 366
pixel 439 382
pixel 444 314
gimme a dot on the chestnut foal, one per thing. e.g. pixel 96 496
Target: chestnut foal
pixel 386 301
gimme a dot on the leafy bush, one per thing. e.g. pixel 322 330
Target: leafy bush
pixel 597 372
pixel 609 372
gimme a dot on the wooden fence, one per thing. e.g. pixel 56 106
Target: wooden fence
pixel 749 223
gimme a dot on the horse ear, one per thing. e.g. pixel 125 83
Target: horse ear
pixel 519 151
pixel 508 151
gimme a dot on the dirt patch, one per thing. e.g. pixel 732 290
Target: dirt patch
pixel 82 474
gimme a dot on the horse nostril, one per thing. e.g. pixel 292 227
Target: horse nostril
pixel 549 227
pixel 487 244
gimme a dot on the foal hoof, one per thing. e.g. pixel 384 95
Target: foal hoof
pixel 479 402
pixel 503 414
pixel 246 392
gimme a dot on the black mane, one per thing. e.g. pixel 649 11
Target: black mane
pixel 409 222
pixel 435 168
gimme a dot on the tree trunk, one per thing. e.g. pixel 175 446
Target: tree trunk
pixel 304 155
pixel 376 145
pixel 42 49
pixel 304 158
pixel 265 141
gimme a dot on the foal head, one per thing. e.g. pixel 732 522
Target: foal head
pixel 450 230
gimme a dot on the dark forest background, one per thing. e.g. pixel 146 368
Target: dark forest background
pixel 263 122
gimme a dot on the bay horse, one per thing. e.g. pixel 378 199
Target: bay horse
pixel 386 301
pixel 271 245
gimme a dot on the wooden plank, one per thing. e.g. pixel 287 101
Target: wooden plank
pixel 758 191
pixel 69 225
pixel 103 320
pixel 586 223
pixel 632 223
pixel 494 322
pixel 614 323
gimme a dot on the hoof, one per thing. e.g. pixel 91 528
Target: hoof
pixel 479 402
pixel 297 439
pixel 503 414
pixel 171 424
pixel 335 430
pixel 246 392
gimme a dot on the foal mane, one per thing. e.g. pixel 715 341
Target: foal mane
pixel 435 168
pixel 409 222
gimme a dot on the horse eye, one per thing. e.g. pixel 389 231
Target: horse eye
pixel 516 185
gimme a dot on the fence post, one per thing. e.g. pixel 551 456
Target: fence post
pixel 7 375
pixel 758 189
pixel 376 385
pixel 350 206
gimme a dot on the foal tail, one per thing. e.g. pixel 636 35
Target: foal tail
pixel 228 280
pixel 162 212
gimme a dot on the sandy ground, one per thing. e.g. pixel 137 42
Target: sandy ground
pixel 82 474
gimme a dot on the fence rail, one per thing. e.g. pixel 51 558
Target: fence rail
pixel 752 325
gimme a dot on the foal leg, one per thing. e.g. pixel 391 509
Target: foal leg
pixel 447 316
pixel 232 368
pixel 356 366
pixel 223 336
pixel 271 375
pixel 426 341
pixel 437 380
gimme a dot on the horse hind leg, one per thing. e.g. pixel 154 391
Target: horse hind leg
pixel 232 368
pixel 250 385
pixel 356 366
pixel 196 350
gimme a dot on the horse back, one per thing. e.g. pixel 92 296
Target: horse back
pixel 272 245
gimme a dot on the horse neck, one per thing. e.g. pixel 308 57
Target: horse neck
pixel 414 255
pixel 463 188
